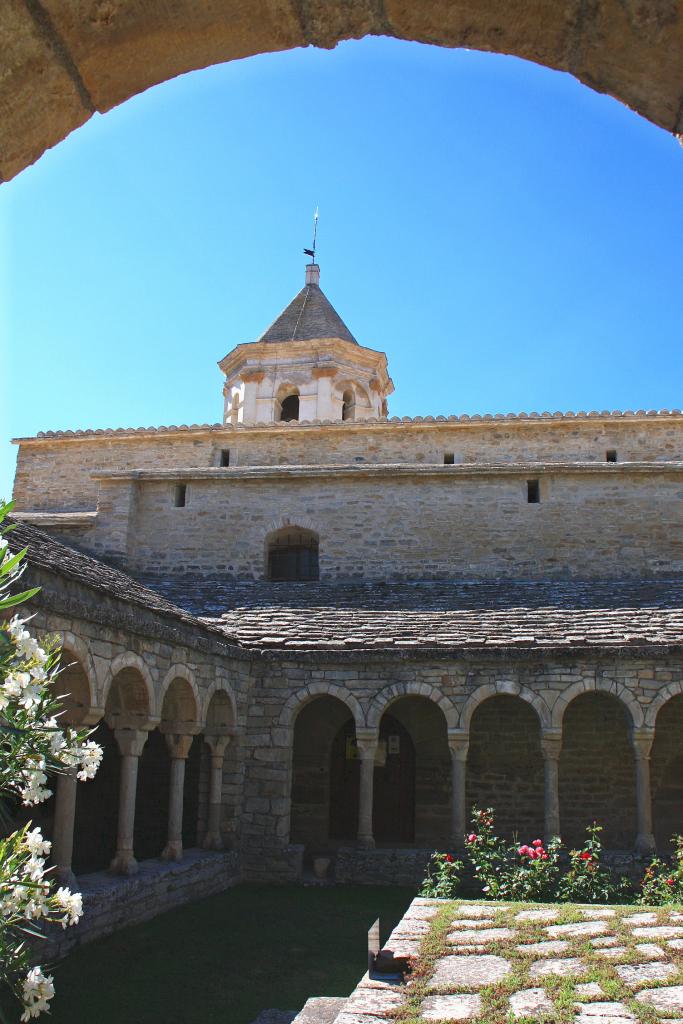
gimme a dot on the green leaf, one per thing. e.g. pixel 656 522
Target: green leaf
pixel 26 595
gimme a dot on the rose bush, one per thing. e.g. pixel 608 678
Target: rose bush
pixel 33 747
pixel 443 877
pixel 663 879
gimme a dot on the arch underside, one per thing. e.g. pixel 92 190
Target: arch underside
pixel 64 61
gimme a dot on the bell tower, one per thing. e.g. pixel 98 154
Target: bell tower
pixel 306 366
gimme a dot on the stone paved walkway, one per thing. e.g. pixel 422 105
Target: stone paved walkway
pixel 497 964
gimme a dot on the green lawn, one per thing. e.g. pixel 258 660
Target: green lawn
pixel 226 958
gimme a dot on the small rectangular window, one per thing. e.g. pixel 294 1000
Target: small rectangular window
pixel 533 492
pixel 611 455
pixel 179 495
pixel 449 459
pixel 225 457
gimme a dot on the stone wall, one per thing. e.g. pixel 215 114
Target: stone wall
pixel 55 472
pixel 423 525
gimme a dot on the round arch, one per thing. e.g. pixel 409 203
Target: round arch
pixel 62 67
pixel 219 689
pixel 662 698
pixel 81 651
pixel 298 700
pixel 386 697
pixel 130 660
pixel 181 671
pixel 504 689
pixel 608 686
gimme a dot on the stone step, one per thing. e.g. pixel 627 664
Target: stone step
pixel 321 1010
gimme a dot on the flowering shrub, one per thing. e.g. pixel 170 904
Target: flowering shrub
pixel 443 877
pixel 509 871
pixel 32 745
pixel 663 880
pixel 587 881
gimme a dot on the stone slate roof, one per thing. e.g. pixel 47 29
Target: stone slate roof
pixel 483 614
pixel 372 422
pixel 309 315
pixel 44 552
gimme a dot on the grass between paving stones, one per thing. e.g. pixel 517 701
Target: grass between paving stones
pixel 495 998
pixel 224 959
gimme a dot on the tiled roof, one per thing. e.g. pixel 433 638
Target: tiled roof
pixel 393 421
pixel 497 614
pixel 44 552
pixel 309 316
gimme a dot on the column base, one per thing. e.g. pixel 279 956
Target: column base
pixel 124 863
pixel 65 876
pixel 173 850
pixel 366 842
pixel 212 841
pixel 645 844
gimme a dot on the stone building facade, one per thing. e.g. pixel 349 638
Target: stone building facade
pixel 316 629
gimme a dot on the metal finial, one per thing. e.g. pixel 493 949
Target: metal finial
pixel 311 252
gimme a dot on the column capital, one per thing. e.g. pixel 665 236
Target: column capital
pixel 218 743
pixel 459 743
pixel 131 741
pixel 366 741
pixel 323 371
pixel 253 376
pixel 551 744
pixel 641 741
pixel 179 744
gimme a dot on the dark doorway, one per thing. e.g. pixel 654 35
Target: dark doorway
pixel 393 816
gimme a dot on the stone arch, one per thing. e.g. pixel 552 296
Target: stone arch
pixel 181 672
pixel 386 697
pixel 129 660
pixel 302 697
pixel 630 52
pixel 504 688
pixel 662 698
pixel 75 649
pixel 609 686
pixel 666 767
pixel 219 703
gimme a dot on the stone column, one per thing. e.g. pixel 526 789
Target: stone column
pixel 251 379
pixel 178 747
pixel 217 745
pixel 324 406
pixel 551 745
pixel 642 740
pixel 367 748
pixel 65 802
pixel 63 828
pixel 131 742
pixel 458 742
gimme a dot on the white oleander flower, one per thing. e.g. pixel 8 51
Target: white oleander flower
pixel 34 791
pixel 37 990
pixel 89 758
pixel 72 903
pixel 37 846
pixel 15 682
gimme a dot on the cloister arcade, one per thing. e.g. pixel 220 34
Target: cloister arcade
pixel 407 769
pixel 164 747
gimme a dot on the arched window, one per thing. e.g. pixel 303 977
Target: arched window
pixel 289 408
pixel 348 405
pixel 293 555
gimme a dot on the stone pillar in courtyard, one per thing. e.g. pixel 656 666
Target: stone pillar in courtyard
pixel 458 743
pixel 642 740
pixel 178 747
pixel 551 746
pixel 65 810
pixel 367 749
pixel 130 742
pixel 217 744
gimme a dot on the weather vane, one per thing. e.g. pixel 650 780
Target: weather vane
pixel 311 252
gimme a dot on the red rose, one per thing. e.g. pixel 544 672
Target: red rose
pixel 449 858
pixel 537 842
pixel 586 855
pixel 671 881
pixel 471 838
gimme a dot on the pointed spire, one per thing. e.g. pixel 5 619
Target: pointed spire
pixel 309 316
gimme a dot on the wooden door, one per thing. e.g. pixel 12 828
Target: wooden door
pixel 344 784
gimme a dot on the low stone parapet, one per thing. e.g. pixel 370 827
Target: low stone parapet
pixel 112 902
pixel 359 866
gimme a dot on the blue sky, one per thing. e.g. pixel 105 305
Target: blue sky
pixel 511 239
